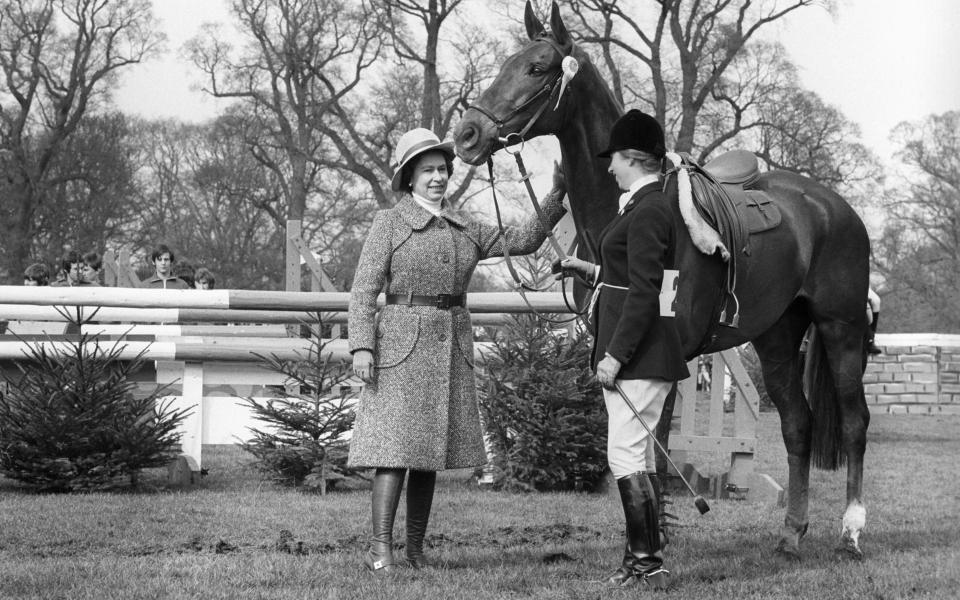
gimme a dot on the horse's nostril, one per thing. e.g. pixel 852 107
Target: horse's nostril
pixel 469 136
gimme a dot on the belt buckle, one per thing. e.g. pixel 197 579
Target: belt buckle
pixel 443 301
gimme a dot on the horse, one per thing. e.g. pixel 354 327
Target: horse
pixel 811 269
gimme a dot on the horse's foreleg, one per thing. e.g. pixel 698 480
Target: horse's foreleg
pixel 778 352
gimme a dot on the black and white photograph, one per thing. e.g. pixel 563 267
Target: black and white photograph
pixel 480 299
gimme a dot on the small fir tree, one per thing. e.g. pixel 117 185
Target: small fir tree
pixel 543 409
pixel 304 444
pixel 70 419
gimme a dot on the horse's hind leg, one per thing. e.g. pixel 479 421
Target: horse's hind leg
pixel 778 350
pixel 843 344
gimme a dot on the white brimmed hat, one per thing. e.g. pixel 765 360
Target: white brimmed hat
pixel 412 144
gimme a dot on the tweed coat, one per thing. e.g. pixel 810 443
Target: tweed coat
pixel 421 410
pixel 633 316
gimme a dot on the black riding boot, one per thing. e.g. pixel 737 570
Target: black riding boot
pixel 420 486
pixel 664 516
pixel 872 347
pixel 387 484
pixel 643 558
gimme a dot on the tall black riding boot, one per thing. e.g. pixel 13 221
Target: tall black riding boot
pixel 643 559
pixel 872 347
pixel 387 484
pixel 664 516
pixel 420 486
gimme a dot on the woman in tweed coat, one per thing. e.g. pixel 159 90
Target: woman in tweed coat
pixel 418 410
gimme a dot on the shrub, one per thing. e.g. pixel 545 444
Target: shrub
pixel 70 420
pixel 304 444
pixel 543 410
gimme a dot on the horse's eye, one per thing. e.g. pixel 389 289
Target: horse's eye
pixel 536 70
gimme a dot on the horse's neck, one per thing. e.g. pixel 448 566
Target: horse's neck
pixel 593 191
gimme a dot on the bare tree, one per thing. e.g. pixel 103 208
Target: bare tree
pixel 687 49
pixel 300 58
pixel 919 252
pixel 431 97
pixel 58 59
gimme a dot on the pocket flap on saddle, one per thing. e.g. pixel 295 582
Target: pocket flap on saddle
pixel 759 212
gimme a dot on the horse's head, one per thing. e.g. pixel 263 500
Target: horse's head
pixel 527 99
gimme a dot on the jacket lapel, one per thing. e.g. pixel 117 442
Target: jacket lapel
pixel 650 187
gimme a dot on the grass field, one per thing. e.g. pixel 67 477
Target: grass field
pixel 235 537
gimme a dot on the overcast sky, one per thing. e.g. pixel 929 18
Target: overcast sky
pixel 879 61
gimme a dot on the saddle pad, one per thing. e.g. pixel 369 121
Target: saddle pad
pixel 757 211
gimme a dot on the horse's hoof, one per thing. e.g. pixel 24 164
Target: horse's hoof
pixel 788 551
pixel 849 549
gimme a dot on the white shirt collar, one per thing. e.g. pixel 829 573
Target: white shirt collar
pixel 635 187
pixel 432 206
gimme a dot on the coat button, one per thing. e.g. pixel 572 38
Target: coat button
pixel 441 223
pixel 444 259
pixel 442 337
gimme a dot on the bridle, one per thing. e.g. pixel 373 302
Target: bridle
pixel 513 143
pixel 546 90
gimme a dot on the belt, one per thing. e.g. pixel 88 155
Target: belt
pixel 441 301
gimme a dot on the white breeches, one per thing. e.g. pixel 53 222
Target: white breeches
pixel 629 448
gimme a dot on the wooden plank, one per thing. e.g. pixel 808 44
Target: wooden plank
pixel 704 443
pixel 215 349
pixel 32 312
pixel 481 302
pixel 742 379
pixel 120 329
pixel 687 390
pixel 192 440
pixel 219 373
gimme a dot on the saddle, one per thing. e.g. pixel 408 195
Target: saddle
pixel 729 209
pixel 737 172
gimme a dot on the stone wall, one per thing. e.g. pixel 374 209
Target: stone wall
pixel 917 373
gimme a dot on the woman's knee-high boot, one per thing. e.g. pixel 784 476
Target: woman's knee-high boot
pixel 420 486
pixel 643 558
pixel 387 484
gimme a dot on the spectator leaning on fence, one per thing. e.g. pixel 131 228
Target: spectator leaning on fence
pixel 163 260
pixel 36 274
pixel 418 411
pixel 71 271
pixel 92 263
pixel 203 279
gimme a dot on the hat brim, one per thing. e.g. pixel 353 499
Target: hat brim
pixel 444 147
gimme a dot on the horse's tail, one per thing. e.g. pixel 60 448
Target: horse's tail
pixel 823 399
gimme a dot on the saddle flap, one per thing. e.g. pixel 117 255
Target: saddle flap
pixel 737 167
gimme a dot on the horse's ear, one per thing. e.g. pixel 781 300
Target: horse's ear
pixel 559 30
pixel 534 26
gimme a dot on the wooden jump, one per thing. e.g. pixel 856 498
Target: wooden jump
pixel 481 302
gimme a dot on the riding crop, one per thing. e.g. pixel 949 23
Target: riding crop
pixel 702 505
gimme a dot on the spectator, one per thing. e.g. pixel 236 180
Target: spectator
pixel 92 263
pixel 36 274
pixel 163 260
pixel 186 272
pixel 204 279
pixel 71 271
